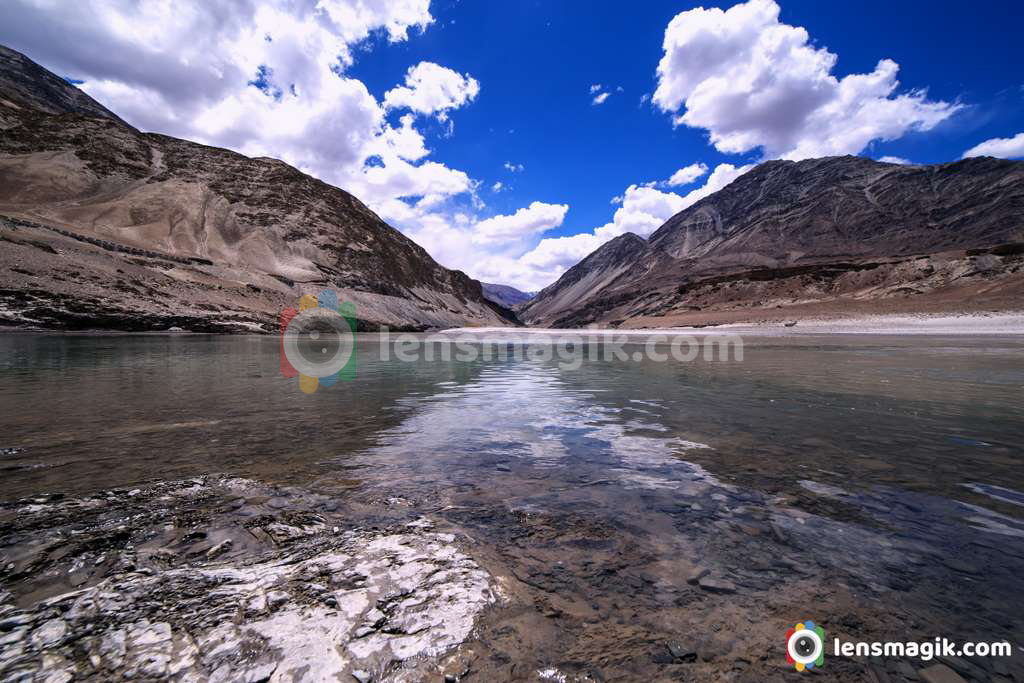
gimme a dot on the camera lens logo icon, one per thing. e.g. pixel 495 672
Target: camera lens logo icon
pixel 805 646
pixel 318 341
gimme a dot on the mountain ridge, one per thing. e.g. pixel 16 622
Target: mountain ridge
pixel 255 233
pixel 784 216
pixel 506 295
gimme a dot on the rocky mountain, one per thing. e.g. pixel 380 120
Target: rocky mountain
pixel 805 238
pixel 105 226
pixel 509 297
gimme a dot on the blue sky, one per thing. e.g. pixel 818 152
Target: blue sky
pixel 505 94
pixel 536 61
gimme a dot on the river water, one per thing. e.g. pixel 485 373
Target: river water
pixel 648 520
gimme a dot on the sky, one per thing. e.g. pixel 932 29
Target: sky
pixel 512 139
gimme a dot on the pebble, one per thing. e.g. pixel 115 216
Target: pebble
pixel 362 676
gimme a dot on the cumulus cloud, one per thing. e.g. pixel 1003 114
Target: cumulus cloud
pixel 753 82
pixel 687 174
pixel 896 160
pixel 490 249
pixel 535 219
pixel 1004 148
pixel 497 186
pixel 430 88
pixel 599 99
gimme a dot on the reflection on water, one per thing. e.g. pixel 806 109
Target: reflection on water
pixel 928 415
pixel 867 459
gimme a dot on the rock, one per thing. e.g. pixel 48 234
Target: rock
pixel 50 633
pixel 257 604
pixel 681 652
pixel 362 676
pixel 939 673
pixel 276 598
pixel 906 670
pixel 219 549
pixel 964 667
pixel 697 574
pixel 502 467
pixel 960 565
pixel 15 620
pixel 714 585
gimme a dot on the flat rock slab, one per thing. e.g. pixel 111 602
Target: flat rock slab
pixel 318 605
pixel 714 585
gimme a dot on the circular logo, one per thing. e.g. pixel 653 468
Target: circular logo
pixel 318 342
pixel 804 646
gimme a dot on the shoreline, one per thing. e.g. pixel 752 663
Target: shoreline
pixel 882 324
pixel 964 324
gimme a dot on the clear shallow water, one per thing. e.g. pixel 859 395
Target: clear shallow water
pixel 928 414
pixel 877 478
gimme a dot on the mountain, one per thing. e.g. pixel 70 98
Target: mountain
pixel 105 226
pixel 808 238
pixel 506 296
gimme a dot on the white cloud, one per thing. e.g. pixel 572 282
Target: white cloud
pixel 524 223
pixel 599 99
pixel 490 250
pixel 896 160
pixel 753 82
pixel 1004 148
pixel 514 168
pixel 719 178
pixel 497 186
pixel 644 210
pixel 687 174
pixel 430 88
pixel 595 88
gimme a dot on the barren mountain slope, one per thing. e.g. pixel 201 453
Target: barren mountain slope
pixel 833 232
pixel 110 227
pixel 509 297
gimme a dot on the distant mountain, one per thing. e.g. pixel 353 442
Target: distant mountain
pixel 505 295
pixel 794 237
pixel 105 226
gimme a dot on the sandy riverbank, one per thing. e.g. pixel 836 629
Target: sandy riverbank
pixel 902 324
